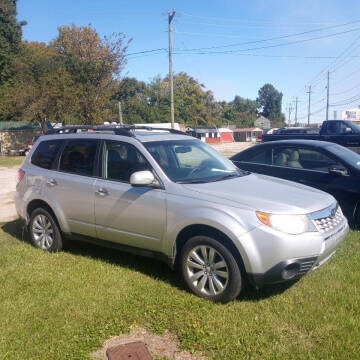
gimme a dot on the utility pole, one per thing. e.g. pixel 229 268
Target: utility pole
pixel 289 109
pixel 327 96
pixel 309 92
pixel 171 16
pixel 296 104
pixel 120 114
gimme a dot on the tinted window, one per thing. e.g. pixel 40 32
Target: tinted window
pixel 333 127
pixel 121 160
pixel 45 154
pixel 345 154
pixel 257 155
pixel 303 158
pixel 78 157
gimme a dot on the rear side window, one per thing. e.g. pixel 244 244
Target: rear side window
pixel 78 157
pixel 45 154
pixel 257 155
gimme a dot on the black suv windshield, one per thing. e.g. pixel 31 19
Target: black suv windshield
pixel 191 161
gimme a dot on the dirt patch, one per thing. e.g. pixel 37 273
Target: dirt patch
pixel 164 345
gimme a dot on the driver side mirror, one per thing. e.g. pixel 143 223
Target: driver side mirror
pixel 142 178
pixel 348 131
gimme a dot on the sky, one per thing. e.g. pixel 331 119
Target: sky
pixel 238 58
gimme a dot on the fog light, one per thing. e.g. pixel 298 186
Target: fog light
pixel 290 271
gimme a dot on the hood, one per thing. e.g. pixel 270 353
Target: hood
pixel 264 193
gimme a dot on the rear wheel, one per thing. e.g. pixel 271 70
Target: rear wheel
pixel 44 231
pixel 210 270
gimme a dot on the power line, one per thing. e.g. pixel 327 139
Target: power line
pixel 269 39
pixel 199 52
pixel 240 20
pixel 145 51
pixel 346 91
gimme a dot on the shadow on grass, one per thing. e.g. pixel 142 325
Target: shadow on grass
pixel 150 267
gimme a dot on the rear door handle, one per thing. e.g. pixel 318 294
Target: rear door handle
pixel 51 182
pixel 102 192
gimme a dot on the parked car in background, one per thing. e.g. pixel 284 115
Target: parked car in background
pixel 31 144
pixel 323 165
pixel 160 193
pixel 341 132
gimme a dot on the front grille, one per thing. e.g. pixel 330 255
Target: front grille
pixel 328 219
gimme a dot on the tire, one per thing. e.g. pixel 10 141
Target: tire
pixel 210 270
pixel 44 231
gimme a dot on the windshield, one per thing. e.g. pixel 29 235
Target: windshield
pixel 345 154
pixel 191 161
pixel 355 128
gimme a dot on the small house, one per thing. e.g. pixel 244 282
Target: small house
pixel 247 134
pixel 208 134
pixel 226 135
pixel 262 122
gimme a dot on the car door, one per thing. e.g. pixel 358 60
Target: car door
pixel 310 166
pixel 133 216
pixel 70 188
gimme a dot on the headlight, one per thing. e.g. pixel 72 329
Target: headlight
pixel 289 224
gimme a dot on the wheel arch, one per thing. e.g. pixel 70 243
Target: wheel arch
pixel 39 203
pixel 200 229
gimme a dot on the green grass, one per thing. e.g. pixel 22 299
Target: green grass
pixel 11 160
pixel 64 305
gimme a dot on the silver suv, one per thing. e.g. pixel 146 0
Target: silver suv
pixel 163 194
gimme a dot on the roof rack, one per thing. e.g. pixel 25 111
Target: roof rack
pixel 125 130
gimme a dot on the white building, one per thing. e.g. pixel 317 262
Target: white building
pixel 351 115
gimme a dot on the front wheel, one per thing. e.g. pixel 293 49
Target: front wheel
pixel 210 270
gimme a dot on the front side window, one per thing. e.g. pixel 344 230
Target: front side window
pixel 45 154
pixel 191 161
pixel 78 157
pixel 121 160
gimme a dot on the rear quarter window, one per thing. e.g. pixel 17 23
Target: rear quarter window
pixel 45 154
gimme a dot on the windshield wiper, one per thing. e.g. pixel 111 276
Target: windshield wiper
pixel 228 176
pixel 195 181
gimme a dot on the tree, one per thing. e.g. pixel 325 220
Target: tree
pixel 133 95
pixel 269 101
pixel 10 39
pixel 93 64
pixel 241 111
pixel 43 90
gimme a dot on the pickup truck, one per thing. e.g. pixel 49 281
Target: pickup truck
pixel 342 132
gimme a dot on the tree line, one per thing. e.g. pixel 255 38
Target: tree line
pixel 76 79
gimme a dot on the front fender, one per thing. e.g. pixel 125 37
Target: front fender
pixel 227 222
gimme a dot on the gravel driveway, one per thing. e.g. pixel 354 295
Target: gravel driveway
pixel 7 191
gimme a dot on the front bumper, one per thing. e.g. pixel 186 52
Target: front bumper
pixel 279 257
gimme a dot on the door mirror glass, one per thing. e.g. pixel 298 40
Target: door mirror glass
pixel 338 170
pixel 142 178
pixel 348 131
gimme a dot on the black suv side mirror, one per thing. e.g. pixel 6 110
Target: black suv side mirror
pixel 348 131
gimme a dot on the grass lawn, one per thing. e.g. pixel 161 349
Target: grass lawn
pixel 11 160
pixel 64 305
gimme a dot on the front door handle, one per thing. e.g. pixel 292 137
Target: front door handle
pixel 101 192
pixel 51 182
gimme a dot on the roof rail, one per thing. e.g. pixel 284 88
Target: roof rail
pixel 125 130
